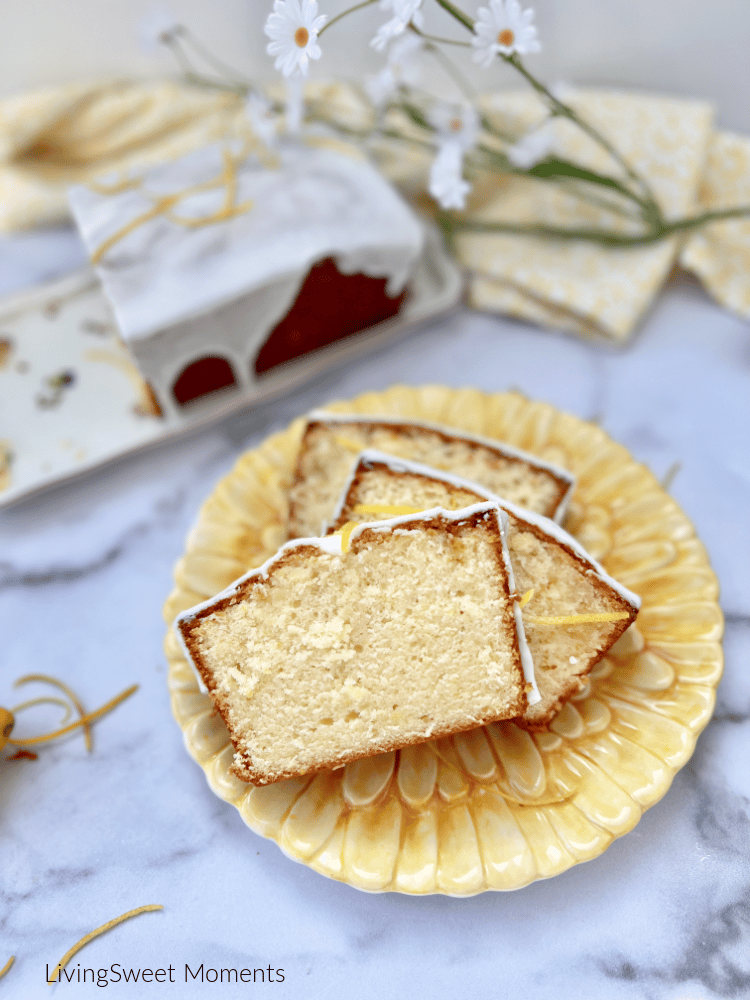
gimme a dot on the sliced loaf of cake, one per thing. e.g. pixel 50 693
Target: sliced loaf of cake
pixel 347 646
pixel 331 443
pixel 564 580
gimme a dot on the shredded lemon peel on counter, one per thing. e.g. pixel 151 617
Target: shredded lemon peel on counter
pixel 83 721
pixel 7 965
pixel 95 933
pixel 47 679
pixel 44 701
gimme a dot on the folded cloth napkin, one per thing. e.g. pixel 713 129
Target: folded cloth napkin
pixel 720 253
pixel 579 286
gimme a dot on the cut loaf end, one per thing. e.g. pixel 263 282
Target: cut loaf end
pixel 341 648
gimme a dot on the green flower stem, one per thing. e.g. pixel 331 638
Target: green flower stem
pixel 602 237
pixel 572 186
pixel 345 13
pixel 647 202
pixel 565 110
pixel 458 14
pixel 714 215
pixel 439 40
pixel 504 165
pixel 197 79
pixel 205 53
pixel 591 235
pixel 492 159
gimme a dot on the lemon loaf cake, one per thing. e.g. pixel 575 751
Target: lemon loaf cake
pixel 331 442
pixel 219 267
pixel 564 581
pixel 342 647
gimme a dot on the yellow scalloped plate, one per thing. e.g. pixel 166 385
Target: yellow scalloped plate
pixel 494 808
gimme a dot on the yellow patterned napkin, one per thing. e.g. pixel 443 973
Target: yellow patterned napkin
pixel 572 285
pixel 720 253
pixel 70 134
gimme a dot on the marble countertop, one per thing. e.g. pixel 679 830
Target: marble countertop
pixel 663 913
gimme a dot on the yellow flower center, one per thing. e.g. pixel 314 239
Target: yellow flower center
pixel 506 37
pixel 302 37
pixel 455 124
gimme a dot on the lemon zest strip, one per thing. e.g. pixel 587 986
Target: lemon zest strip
pixel 526 597
pixel 7 965
pixel 164 205
pixel 604 616
pixel 80 722
pixel 99 930
pixel 47 679
pixel 346 534
pixel 160 206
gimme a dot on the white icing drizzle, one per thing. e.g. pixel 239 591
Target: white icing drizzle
pixel 315 204
pixel 544 524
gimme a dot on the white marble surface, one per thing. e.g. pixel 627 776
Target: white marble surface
pixel 663 914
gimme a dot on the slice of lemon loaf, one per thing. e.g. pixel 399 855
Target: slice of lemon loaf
pixel 331 443
pixel 351 645
pixel 565 581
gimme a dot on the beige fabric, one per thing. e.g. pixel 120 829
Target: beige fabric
pixel 70 134
pixel 720 253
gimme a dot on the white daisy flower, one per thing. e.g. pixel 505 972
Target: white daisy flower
pixel 458 131
pixel 293 29
pixel 447 185
pixel 532 147
pixel 404 11
pixel 502 29
pixel 458 125
pixel 403 68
